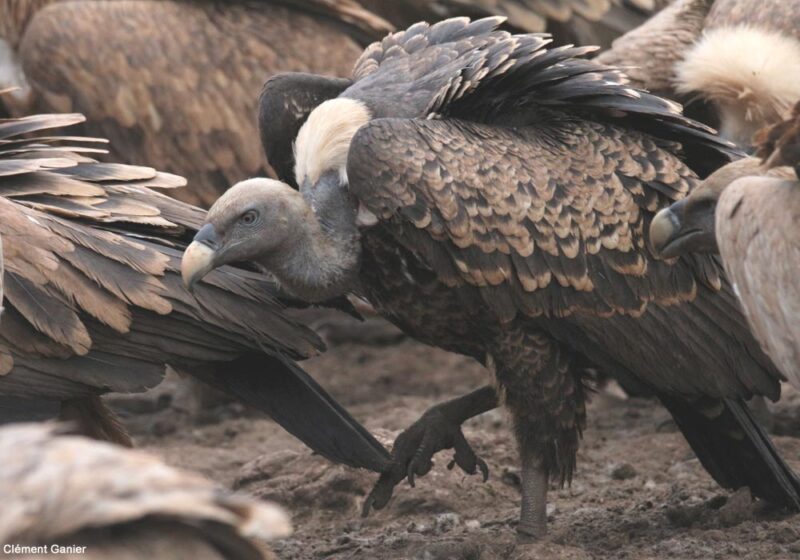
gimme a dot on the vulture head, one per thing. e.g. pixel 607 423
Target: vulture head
pixel 307 239
pixel 267 223
pixel 687 226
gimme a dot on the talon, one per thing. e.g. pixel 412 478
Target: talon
pixel 367 506
pixel 410 474
pixel 451 464
pixel 484 469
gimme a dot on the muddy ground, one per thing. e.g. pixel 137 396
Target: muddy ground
pixel 639 492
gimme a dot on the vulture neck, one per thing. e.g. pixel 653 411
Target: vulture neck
pixel 322 261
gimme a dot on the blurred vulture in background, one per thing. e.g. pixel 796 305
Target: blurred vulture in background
pixel 583 22
pixel 492 197
pixel 174 84
pixel 749 212
pixel 94 300
pixel 739 57
pixel 121 504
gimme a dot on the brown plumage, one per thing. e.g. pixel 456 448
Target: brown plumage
pixel 121 504
pixel 749 212
pixel 492 197
pixel 94 300
pixel 592 22
pixel 171 83
pixel 742 57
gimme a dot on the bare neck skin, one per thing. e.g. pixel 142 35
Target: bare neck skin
pixel 321 256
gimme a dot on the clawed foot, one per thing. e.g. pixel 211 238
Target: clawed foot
pixel 413 451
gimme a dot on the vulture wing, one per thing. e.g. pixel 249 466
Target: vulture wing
pixel 581 21
pixel 171 83
pixel 531 185
pixel 78 485
pixel 542 230
pixel 649 53
pixel 95 302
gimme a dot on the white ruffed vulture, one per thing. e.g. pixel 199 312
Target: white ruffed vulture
pixel 93 500
pixel 491 197
pixel 749 213
pixel 170 83
pixel 740 57
pixel 94 301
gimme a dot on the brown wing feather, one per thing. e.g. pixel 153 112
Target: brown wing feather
pixel 183 97
pixel 775 15
pixel 77 484
pixel 648 53
pixel 543 222
pixel 70 284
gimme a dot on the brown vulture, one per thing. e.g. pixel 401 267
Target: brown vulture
pixel 491 197
pixel 740 57
pixel 94 300
pixel 749 213
pixel 170 83
pixel 99 501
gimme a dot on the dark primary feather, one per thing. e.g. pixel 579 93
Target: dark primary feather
pixel 94 300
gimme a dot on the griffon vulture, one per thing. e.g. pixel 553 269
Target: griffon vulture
pixel 94 300
pixel 170 83
pixel 99 501
pixel 749 213
pixel 740 56
pixel 491 197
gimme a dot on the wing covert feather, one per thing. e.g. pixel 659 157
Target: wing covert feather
pixel 549 221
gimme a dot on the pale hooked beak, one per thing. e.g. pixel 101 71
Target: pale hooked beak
pixel 198 258
pixel 665 225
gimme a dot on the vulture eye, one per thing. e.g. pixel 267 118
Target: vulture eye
pixel 249 217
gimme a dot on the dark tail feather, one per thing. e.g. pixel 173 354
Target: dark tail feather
pixel 95 420
pixel 734 449
pixel 294 400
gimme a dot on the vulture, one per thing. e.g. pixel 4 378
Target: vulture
pixel 491 196
pixel 577 21
pixel 170 82
pixel 740 59
pixel 94 301
pixel 69 495
pixel 749 213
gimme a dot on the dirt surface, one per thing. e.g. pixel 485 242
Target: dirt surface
pixel 639 492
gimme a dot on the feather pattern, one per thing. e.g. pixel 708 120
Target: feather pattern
pixel 77 485
pixel 94 299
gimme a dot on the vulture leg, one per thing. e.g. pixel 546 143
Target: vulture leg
pixel 533 513
pixel 92 418
pixel 439 428
pixel 545 396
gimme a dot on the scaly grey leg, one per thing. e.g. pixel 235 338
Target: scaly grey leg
pixel 533 514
